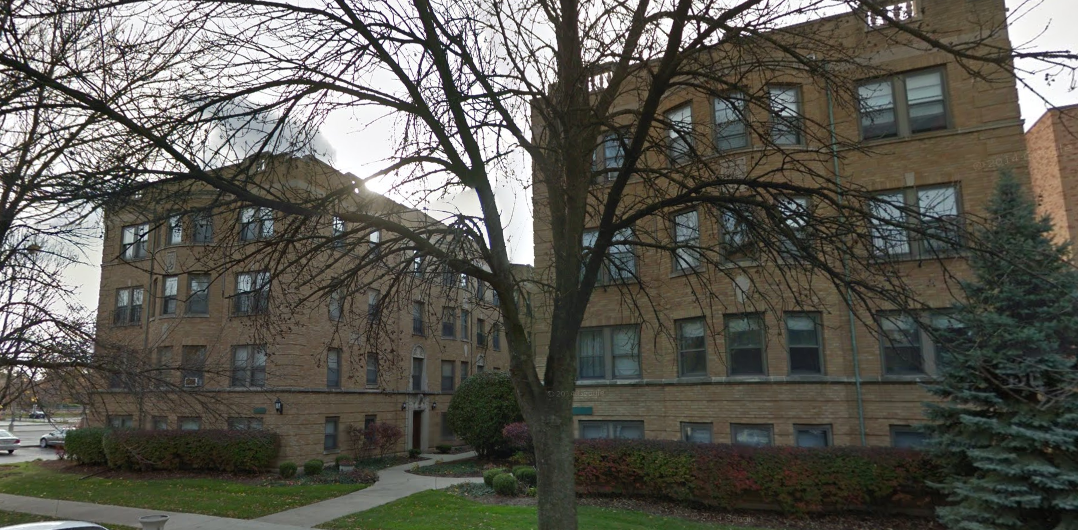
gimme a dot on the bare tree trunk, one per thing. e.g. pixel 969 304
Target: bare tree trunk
pixel 553 438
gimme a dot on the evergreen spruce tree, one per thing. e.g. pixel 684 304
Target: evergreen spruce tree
pixel 1008 425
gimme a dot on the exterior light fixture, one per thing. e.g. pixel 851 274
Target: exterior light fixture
pixel 278 406
pixel 404 406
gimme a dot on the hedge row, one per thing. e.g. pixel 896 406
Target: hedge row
pixel 209 450
pixel 792 479
pixel 84 445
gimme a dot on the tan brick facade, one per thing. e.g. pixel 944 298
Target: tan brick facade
pixel 1053 167
pixel 297 336
pixel 983 133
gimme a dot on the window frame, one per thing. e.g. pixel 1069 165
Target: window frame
pixel 449 382
pixel 247 375
pixel 914 222
pixel 193 365
pixel 896 429
pixel 182 421
pixel 612 428
pixel 331 440
pixel 333 368
pixel 254 301
pixel 372 370
pixel 730 348
pixel 419 377
pixel 174 233
pixel 817 320
pixel 449 322
pixel 688 426
pixel 418 309
pixel 197 297
pixel 464 372
pixel 778 118
pixel 139 245
pixel 735 428
pixel 609 359
pixel 681 350
pixel 829 440
pixel 678 135
pixel 130 317
pixel 740 111
pixel 688 247
pixel 256 223
pixel 202 228
pixel 900 105
pixel 170 302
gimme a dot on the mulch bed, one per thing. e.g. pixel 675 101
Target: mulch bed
pixel 751 519
pixel 67 466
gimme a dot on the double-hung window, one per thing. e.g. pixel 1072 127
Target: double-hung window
pixel 202 223
pixel 337 232
pixel 128 307
pixel 249 366
pixel 731 127
pixel 904 104
pixel 794 232
pixel 192 365
pixel 736 224
pixel 252 293
pixel 134 241
pixel 679 140
pixel 692 347
pixel 465 321
pixel 198 294
pixel 175 229
pixel 372 369
pixel 256 223
pixel 373 302
pixel 170 295
pixel 496 337
pixel 686 241
pixel 330 442
pixel 448 375
pixel 418 366
pixel 480 333
pixel 804 344
pixel 900 341
pixel 933 213
pixel 941 228
pixel 611 352
pixel 889 235
pixel 418 328
pixel 333 368
pixel 785 115
pixel 613 154
pixel 336 305
pixel 620 263
pixel 449 319
pixel 745 345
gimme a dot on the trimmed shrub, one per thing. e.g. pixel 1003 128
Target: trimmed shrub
pixel 795 480
pixel 519 437
pixel 414 453
pixel 526 475
pixel 313 467
pixel 203 450
pixel 345 460
pixel 505 484
pixel 85 445
pixel 288 469
pixel 480 410
pixel 488 475
pixel 444 448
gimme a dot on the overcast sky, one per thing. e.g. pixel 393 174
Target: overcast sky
pixel 1043 26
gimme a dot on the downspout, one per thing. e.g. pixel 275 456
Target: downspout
pixel 148 307
pixel 845 263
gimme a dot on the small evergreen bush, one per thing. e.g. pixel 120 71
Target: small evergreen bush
pixel 313 467
pixel 288 469
pixel 480 410
pixel 444 448
pixel 505 484
pixel 414 453
pixel 488 475
pixel 526 475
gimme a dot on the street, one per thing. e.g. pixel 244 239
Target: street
pixel 30 433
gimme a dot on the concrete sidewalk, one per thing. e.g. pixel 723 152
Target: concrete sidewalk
pixel 393 483
pixel 112 515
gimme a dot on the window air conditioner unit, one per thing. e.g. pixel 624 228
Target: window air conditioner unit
pixel 192 381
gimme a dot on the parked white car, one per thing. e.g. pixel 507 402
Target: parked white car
pixel 56 525
pixel 8 442
pixel 54 438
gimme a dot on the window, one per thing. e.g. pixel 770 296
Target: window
pixel 686 241
pixel 902 105
pixel 192 365
pixel 625 430
pixel 249 366
pixel 330 443
pixel 134 241
pixel 937 209
pixel 463 371
pixel 679 141
pixel 256 223
pixel 745 344
pixel 609 353
pixel 128 307
pixel 889 237
pixel 448 376
pixel 692 349
pixel 736 221
pixel 252 293
pixel 696 432
pixel 465 281
pixel 803 343
pixel 121 422
pixel 417 262
pixel 375 241
pixel 812 435
pixel 169 298
pixel 245 424
pixel 175 230
pixel 189 423
pixel 613 154
pixel 898 11
pixel 785 115
pixel 162 363
pixel 372 369
pixel 159 423
pixel 465 319
pixel 336 305
pixel 447 432
pixel 337 232
pixel 907 437
pixel 203 227
pixel 333 368
pixel 373 299
pixel 793 233
pixel 731 129
pixel 481 291
pixel 449 322
pixel 620 263
pixel 900 340
pixel 496 337
pixel 747 434
pixel 417 319
pixel 480 333
pixel 198 294
pixel 479 364
pixel 417 374
pixel 369 420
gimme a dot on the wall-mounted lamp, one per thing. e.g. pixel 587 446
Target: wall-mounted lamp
pixel 433 405
pixel 278 406
pixel 404 406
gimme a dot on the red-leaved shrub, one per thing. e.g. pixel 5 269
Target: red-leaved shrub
pixel 795 480
pixel 518 436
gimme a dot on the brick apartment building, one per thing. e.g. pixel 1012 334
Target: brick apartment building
pixel 191 305
pixel 1053 168
pixel 737 371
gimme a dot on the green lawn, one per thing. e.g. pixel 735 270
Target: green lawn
pixel 206 496
pixel 11 518
pixel 438 510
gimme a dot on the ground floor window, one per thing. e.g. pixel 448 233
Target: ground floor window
pixel 121 422
pixel 330 443
pixel 812 435
pixel 627 430
pixel 189 423
pixel 907 437
pixel 748 434
pixel 696 432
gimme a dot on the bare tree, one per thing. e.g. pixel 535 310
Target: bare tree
pixel 471 83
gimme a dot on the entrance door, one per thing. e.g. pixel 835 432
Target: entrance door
pixel 417 429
